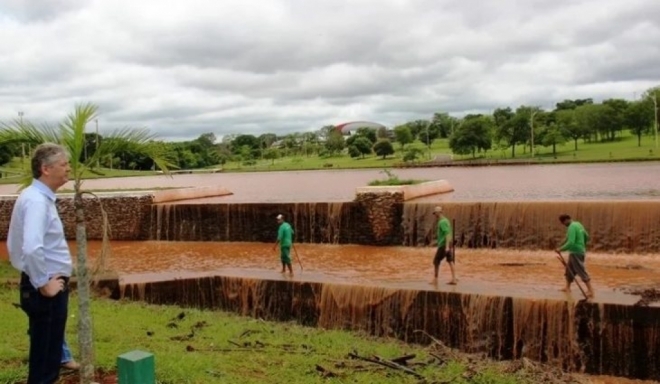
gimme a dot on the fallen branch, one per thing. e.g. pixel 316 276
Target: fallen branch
pixel 403 360
pixel 385 363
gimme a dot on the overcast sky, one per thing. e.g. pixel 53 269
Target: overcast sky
pixel 182 68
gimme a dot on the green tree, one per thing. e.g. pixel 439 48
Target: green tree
pixel 71 134
pixel 639 118
pixel 475 134
pixel 384 148
pixel 271 154
pixel 363 144
pixel 417 127
pixel 429 134
pixel 353 151
pixel 551 136
pixel 368 133
pixel 569 105
pixel 403 135
pixel 566 121
pixel 444 124
pixel 412 154
pixel 382 133
pixel 241 141
pixel 335 142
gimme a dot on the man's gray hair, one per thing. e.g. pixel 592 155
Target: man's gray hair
pixel 46 154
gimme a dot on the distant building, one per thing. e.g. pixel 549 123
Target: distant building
pixel 350 127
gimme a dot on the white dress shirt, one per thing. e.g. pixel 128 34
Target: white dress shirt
pixel 35 240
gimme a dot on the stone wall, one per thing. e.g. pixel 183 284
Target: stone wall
pixel 128 216
pixel 383 215
pixel 373 219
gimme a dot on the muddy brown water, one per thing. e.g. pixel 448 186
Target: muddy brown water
pixel 497 183
pixel 529 274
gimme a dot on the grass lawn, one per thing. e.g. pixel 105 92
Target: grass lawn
pixel 624 148
pixel 193 346
pixel 200 346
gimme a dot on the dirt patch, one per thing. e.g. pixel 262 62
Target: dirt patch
pixel 102 377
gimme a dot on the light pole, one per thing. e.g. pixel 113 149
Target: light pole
pixel 96 142
pixel 20 118
pixel 531 127
pixel 428 146
pixel 655 111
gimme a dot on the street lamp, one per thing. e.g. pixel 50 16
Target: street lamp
pixel 655 110
pixel 20 118
pixel 428 146
pixel 96 141
pixel 531 126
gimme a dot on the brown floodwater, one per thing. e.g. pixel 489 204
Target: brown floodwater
pixel 529 274
pixel 497 183
pixel 532 274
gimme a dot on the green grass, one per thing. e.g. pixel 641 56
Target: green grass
pixel 16 167
pixel 393 180
pixel 266 352
pixel 340 161
pixel 624 148
pixel 7 271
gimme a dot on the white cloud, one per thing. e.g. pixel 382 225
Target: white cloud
pixel 185 68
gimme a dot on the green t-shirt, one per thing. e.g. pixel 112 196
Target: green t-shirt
pixel 285 234
pixel 443 230
pixel 576 238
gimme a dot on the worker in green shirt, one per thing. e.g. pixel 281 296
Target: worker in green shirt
pixel 576 245
pixel 285 241
pixel 444 242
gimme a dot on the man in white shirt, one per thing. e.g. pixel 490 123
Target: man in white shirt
pixel 37 247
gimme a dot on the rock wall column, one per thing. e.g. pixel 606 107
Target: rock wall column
pixel 383 215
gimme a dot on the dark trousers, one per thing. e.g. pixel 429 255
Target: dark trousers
pixel 47 321
pixel 576 267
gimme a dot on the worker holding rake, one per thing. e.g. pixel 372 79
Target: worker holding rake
pixel 285 241
pixel 576 244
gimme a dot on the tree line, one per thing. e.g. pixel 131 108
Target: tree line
pixel 503 129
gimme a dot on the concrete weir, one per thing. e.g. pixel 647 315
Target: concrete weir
pixel 617 339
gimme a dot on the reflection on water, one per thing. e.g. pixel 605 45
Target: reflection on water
pixel 500 183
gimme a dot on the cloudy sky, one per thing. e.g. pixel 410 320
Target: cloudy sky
pixel 182 68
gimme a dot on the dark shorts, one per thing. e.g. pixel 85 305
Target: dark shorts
pixel 576 267
pixel 441 254
pixel 285 255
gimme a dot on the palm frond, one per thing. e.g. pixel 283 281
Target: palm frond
pixel 25 132
pixel 72 133
pixel 135 140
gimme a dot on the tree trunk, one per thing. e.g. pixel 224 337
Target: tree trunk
pixel 513 150
pixel 554 149
pixel 576 140
pixel 639 138
pixel 85 340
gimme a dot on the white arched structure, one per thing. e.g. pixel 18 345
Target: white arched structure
pixel 351 127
